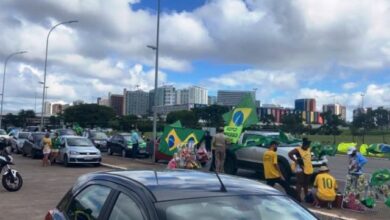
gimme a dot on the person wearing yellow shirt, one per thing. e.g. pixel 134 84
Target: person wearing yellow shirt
pixel 326 186
pixel 303 166
pixel 272 172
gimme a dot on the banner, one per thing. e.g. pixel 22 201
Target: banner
pixel 233 133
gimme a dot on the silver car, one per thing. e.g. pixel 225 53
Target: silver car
pixel 251 156
pixel 18 140
pixel 78 150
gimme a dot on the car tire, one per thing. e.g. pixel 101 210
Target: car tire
pixel 124 154
pixel 109 151
pixel 96 164
pixel 66 161
pixel 230 163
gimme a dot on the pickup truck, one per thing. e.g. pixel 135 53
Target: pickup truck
pixel 248 154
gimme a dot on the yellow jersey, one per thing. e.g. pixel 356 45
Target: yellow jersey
pixel 270 158
pixel 306 157
pixel 326 187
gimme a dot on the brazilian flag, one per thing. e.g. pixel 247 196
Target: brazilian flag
pixel 175 135
pixel 242 116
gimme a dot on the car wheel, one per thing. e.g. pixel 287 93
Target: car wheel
pixel 109 151
pixel 66 161
pixel 124 153
pixel 230 164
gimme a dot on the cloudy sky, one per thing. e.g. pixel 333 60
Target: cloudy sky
pixel 330 50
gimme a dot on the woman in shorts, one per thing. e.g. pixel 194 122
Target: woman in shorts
pixel 46 141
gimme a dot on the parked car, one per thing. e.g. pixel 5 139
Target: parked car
pixel 32 128
pixel 251 156
pixel 3 134
pixel 123 145
pixel 33 145
pixel 17 141
pixel 98 138
pixel 62 132
pixel 174 195
pixel 78 150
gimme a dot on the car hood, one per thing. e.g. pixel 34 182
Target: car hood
pixel 84 149
pixel 4 136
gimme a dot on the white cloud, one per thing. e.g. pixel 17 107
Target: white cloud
pixel 349 85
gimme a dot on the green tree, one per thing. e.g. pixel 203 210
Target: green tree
pixel 382 120
pixel 331 125
pixel 89 115
pixel 364 122
pixel 10 120
pixel 212 115
pixel 268 120
pixel 292 123
pixel 23 115
pixel 188 118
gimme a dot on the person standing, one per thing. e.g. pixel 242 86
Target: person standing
pixel 272 171
pixel 134 140
pixel 219 146
pixel 207 141
pixel 303 167
pixel 46 142
pixel 326 188
pixel 55 148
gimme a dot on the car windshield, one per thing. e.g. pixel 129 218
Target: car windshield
pixel 23 135
pixel 233 208
pixel 2 132
pixel 98 135
pixel 80 142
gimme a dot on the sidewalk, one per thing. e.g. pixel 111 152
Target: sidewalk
pixel 380 212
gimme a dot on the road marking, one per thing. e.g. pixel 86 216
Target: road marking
pixel 335 216
pixel 113 166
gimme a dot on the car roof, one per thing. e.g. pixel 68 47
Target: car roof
pixel 179 184
pixel 264 133
pixel 73 136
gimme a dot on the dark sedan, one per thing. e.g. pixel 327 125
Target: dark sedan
pixel 174 195
pixel 98 138
pixel 33 145
pixel 122 144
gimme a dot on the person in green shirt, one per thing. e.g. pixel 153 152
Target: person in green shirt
pixel 55 148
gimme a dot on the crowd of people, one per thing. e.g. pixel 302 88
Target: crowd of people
pixel 325 187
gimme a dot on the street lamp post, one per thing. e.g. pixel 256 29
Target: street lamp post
pixel 156 48
pixel 46 87
pixel 2 90
pixel 44 75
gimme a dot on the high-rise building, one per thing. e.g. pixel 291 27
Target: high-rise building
pixel 56 109
pixel 192 95
pixel 102 101
pixel 47 109
pixel 233 98
pixel 182 96
pixel 212 100
pixel 166 95
pixel 136 102
pixel 336 109
pixel 78 102
pixel 117 103
pixel 308 105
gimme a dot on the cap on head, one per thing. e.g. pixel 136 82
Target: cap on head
pixel 351 150
pixel 323 169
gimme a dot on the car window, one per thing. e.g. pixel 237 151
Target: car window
pixel 23 135
pixel 98 135
pixel 88 204
pixel 233 208
pixel 79 142
pixel 126 208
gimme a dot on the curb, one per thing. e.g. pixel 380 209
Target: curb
pixel 324 215
pixel 113 166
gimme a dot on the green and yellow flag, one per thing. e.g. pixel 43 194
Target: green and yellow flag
pixel 242 116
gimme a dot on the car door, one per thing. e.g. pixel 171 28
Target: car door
pixel 121 143
pixel 27 147
pixel 254 149
pixel 113 144
pixel 89 203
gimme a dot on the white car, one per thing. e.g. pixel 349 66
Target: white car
pixel 18 140
pixel 78 150
pixel 4 134
pixel 251 156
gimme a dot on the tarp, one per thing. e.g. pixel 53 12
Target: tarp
pixel 343 147
pixel 174 136
pixel 320 150
pixel 379 150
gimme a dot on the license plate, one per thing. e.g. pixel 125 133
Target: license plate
pixel 88 158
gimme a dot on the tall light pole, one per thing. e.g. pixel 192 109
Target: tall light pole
pixel 46 87
pixel 156 48
pixel 2 90
pixel 44 75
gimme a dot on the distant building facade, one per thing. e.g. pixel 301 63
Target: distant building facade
pixel 336 109
pixel 279 112
pixel 136 103
pixel 57 109
pixel 47 109
pixel 308 105
pixel 166 109
pixel 212 100
pixel 116 102
pixel 103 102
pixel 233 98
